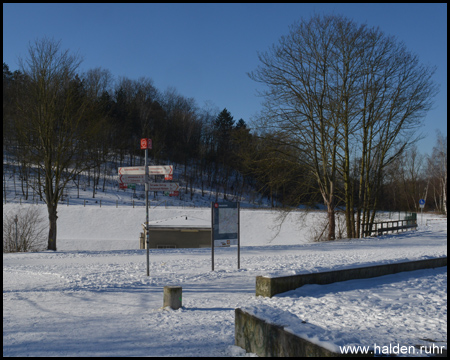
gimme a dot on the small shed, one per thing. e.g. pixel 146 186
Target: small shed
pixel 178 232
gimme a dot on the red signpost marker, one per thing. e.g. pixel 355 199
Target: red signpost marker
pixel 146 144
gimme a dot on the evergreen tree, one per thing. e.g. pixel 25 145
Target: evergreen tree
pixel 223 127
pixel 241 125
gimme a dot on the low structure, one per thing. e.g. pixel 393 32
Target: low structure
pixel 268 287
pixel 173 297
pixel 255 334
pixel 265 339
pixel 178 232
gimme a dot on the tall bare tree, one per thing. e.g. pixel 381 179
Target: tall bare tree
pixel 301 102
pixel 54 122
pixel 343 95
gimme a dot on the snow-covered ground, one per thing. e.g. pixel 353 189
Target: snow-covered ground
pixel 92 297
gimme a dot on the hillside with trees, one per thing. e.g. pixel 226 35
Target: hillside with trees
pixel 343 104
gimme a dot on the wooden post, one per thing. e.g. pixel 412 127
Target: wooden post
pixel 172 297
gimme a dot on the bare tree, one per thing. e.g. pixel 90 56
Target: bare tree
pixel 342 96
pixel 302 103
pixel 96 83
pixel 24 230
pixel 410 169
pixel 54 122
pixel 397 92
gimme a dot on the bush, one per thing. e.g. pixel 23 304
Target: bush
pixel 31 231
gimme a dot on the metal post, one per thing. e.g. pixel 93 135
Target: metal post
pixel 212 236
pixel 239 235
pixel 146 212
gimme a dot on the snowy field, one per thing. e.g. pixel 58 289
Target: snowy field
pixel 93 298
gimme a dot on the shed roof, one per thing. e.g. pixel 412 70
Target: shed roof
pixel 182 221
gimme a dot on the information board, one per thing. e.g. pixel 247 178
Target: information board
pixel 226 218
pixel 225 227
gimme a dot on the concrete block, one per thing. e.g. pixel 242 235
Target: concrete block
pixel 172 297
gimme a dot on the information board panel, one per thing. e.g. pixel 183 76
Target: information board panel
pixel 225 227
pixel 226 218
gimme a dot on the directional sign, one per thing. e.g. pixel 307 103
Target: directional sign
pixel 127 186
pixel 160 170
pixel 163 186
pixel 152 170
pixel 133 170
pixel 136 175
pixel 132 179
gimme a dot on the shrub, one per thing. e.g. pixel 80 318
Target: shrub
pixel 31 230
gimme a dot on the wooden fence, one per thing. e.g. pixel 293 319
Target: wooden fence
pixel 380 228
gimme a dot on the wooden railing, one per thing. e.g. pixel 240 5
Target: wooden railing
pixel 389 226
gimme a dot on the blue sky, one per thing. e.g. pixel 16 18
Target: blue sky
pixel 206 50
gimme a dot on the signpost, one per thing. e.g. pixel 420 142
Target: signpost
pixel 224 227
pixel 136 174
pixel 130 176
pixel 152 170
pixel 145 143
pixel 422 205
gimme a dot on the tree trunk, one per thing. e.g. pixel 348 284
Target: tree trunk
pixel 331 224
pixel 52 227
pixel 331 212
